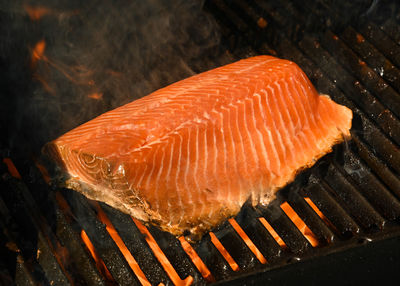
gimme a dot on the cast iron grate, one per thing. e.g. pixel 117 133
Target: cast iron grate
pixel 350 198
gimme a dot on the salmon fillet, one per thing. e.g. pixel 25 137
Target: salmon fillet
pixel 189 155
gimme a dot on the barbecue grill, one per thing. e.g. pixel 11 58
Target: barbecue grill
pixel 337 223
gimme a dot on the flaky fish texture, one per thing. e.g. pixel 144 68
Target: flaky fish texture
pixel 189 155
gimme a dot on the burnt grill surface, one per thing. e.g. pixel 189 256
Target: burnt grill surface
pixel 356 187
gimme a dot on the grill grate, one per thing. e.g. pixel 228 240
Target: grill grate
pixel 349 199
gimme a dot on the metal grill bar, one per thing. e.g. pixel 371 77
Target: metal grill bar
pixel 289 233
pixel 210 255
pixel 175 254
pixel 25 273
pixel 29 228
pixel 236 247
pixel 355 204
pixel 319 194
pixel 136 244
pixel 346 57
pixel 71 239
pixel 66 229
pixel 384 173
pixel 314 222
pixel 381 41
pixel 369 186
pixel 392 28
pixel 376 60
pixel 248 220
pixel 98 235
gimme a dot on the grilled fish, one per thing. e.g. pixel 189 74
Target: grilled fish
pixel 188 156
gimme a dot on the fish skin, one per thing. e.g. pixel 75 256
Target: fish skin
pixel 188 156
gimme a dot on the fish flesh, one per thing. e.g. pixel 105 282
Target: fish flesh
pixel 188 156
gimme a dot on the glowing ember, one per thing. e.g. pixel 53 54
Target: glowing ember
pixel 11 168
pixel 35 13
pixel 360 38
pixel 262 23
pixel 224 252
pixel 96 95
pixel 37 52
pixel 362 63
pixel 205 272
pixel 99 262
pixel 248 241
pixel 274 234
pixel 121 245
pixel 161 256
pixel 308 234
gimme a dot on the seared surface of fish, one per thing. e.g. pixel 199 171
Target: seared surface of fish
pixel 188 156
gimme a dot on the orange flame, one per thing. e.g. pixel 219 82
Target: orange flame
pixel 67 71
pixel 224 252
pixel 96 95
pixel 308 234
pixel 205 272
pixel 262 23
pixel 35 13
pixel 77 74
pixel 360 38
pixel 161 256
pixel 37 52
pixel 274 234
pixel 44 83
pixel 11 168
pixel 361 63
pixel 122 247
pixel 101 267
pixel 248 241
pixel 99 262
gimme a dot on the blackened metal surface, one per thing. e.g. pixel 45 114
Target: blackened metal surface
pixel 324 234
pixel 235 246
pixel 320 194
pixel 249 222
pixel 208 253
pixel 97 233
pixel 371 263
pixel 175 254
pixel 292 237
pixel 136 244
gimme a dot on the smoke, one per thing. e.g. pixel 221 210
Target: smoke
pixel 69 61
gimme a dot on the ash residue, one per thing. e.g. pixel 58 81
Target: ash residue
pixel 69 61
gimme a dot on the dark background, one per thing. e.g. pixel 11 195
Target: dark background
pixel 116 51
